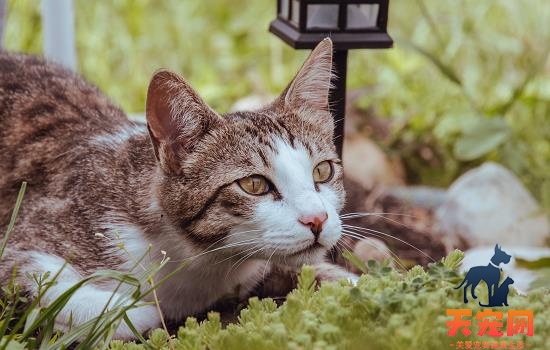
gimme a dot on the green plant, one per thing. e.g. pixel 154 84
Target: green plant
pixel 387 309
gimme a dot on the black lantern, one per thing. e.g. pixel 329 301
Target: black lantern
pixel 351 24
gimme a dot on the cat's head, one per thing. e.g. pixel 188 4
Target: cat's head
pixel 267 183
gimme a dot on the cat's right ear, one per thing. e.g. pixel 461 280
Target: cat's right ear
pixel 176 119
pixel 312 83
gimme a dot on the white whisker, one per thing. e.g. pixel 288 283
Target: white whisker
pixel 374 232
pixel 240 252
pixel 267 264
pixel 349 216
pixel 229 235
pixel 239 262
pixel 389 253
pixel 382 217
pixel 345 245
pixel 227 246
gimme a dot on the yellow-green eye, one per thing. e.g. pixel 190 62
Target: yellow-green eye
pixel 323 171
pixel 254 184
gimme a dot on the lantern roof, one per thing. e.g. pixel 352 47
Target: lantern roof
pixel 351 24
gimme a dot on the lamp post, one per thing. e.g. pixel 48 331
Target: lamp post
pixel 351 24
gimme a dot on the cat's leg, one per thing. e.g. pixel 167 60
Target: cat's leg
pixel 326 271
pixel 284 278
pixel 89 301
pixel 249 276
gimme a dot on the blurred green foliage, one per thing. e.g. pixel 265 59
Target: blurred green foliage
pixel 467 80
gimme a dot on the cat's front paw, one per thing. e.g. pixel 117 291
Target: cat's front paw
pixel 331 272
pixel 89 302
pixel 353 280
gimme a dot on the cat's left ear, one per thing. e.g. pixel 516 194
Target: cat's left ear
pixel 310 88
pixel 177 118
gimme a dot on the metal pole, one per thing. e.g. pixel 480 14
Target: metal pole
pixel 337 97
pixel 58 26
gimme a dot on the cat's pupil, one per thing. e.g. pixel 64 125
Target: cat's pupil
pixel 323 172
pixel 255 184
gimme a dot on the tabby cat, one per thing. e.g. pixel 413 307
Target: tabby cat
pixel 229 194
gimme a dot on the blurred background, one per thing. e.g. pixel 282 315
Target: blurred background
pixel 467 82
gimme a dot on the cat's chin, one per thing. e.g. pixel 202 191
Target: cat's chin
pixel 305 257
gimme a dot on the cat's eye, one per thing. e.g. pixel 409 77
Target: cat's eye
pixel 323 171
pixel 254 184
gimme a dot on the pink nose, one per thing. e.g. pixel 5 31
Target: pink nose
pixel 315 222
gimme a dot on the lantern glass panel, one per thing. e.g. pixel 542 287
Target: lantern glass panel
pixel 295 17
pixel 284 8
pixel 323 16
pixel 363 16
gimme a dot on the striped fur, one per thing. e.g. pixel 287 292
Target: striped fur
pixel 98 181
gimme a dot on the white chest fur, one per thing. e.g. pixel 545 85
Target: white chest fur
pixel 197 279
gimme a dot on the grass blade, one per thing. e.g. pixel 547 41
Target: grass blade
pixel 11 225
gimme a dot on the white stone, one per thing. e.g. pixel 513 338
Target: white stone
pixel 489 205
pixel 421 196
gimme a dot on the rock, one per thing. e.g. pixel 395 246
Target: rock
pixel 422 196
pixel 367 164
pixel 489 205
pixel 372 249
pixel 251 103
pixel 407 229
pixel 480 256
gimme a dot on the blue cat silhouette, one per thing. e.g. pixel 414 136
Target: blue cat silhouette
pixel 500 298
pixel 490 274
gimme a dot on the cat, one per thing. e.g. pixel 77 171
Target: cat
pixel 237 193
pixel 500 297
pixel 490 274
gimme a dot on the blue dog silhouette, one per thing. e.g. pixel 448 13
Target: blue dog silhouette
pixel 490 274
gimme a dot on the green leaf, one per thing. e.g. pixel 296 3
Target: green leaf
pixel 352 258
pixel 534 264
pixel 306 279
pixel 13 217
pixel 482 138
pixel 14 345
pixel 454 259
pixel 445 69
